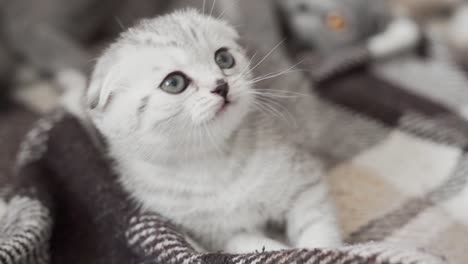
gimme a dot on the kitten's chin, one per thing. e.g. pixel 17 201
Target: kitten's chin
pixel 229 112
pixel 226 115
pixel 223 109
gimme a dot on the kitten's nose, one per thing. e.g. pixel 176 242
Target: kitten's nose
pixel 221 89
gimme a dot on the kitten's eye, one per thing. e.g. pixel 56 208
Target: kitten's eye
pixel 175 83
pixel 224 59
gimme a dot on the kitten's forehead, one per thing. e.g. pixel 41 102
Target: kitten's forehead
pixel 182 29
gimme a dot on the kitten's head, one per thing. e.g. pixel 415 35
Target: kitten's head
pixel 328 25
pixel 178 79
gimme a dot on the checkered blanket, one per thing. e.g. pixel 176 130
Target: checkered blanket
pixel 393 135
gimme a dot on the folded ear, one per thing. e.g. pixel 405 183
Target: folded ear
pixel 98 93
pixel 100 85
pixel 93 94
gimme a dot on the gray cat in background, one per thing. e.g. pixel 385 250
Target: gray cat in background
pixel 328 25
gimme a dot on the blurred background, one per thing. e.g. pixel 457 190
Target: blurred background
pixel 40 38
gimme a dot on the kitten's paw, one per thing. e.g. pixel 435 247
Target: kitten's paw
pixel 250 243
pixel 195 245
pixel 320 236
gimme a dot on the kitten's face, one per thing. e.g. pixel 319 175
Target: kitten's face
pixel 180 77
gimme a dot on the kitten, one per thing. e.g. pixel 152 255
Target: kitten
pixel 329 25
pixel 173 98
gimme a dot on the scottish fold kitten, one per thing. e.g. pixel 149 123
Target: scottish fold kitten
pixel 328 25
pixel 173 97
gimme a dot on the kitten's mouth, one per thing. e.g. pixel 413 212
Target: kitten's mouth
pixel 223 107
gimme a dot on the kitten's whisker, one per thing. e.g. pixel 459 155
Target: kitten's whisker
pixel 181 144
pixel 267 77
pixel 264 110
pixel 199 143
pixel 273 112
pixel 273 75
pixel 281 91
pixel 167 121
pixel 271 108
pixel 271 105
pixel 212 7
pixel 186 123
pixel 119 23
pixel 272 95
pixel 243 73
pixel 193 138
pixel 211 138
pixel 225 9
pixel 246 68
pixel 267 55
pixel 285 109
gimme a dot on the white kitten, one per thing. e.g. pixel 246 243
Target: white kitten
pixel 173 99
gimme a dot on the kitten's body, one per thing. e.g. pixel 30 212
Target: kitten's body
pixel 218 195
pixel 221 171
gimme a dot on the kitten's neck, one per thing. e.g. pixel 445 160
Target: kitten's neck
pixel 170 152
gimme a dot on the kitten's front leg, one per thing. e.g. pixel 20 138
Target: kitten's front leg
pixel 195 245
pixel 252 242
pixel 311 221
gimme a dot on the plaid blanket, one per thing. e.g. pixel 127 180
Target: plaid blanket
pixel 393 134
